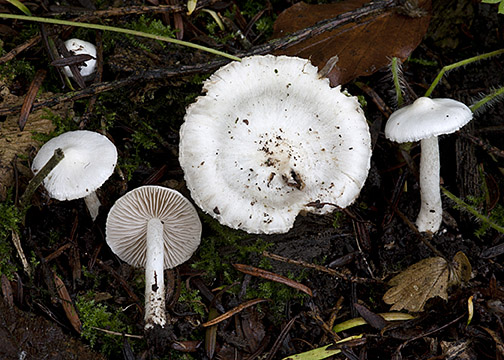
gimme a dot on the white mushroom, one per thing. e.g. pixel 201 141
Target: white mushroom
pixel 90 159
pixel 425 120
pixel 81 47
pixel 155 228
pixel 270 139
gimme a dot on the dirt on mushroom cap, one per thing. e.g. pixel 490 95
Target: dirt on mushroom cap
pixel 273 137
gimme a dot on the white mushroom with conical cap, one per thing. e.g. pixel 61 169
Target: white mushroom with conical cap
pixel 90 159
pixel 155 228
pixel 270 139
pixel 425 120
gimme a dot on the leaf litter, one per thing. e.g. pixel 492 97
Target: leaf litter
pixel 394 33
pixel 426 279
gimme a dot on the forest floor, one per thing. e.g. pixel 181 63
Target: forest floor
pixel 346 258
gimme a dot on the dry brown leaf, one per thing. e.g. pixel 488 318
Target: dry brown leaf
pixel 67 303
pixel 15 142
pixel 426 279
pixel 361 48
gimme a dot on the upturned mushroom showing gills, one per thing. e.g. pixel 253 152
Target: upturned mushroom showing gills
pixel 155 228
pixel 90 159
pixel 270 139
pixel 425 120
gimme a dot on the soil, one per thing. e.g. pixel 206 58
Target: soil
pixel 370 243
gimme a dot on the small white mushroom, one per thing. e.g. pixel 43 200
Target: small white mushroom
pixel 155 228
pixel 270 139
pixel 90 159
pixel 81 47
pixel 425 120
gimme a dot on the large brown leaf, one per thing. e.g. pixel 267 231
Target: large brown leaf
pixel 426 279
pixel 361 48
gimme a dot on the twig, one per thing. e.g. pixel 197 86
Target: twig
pixel 117 84
pixel 117 333
pixel 17 243
pixel 233 311
pixel 370 10
pixel 85 14
pixel 18 49
pixel 39 177
pixel 319 268
pixel 118 30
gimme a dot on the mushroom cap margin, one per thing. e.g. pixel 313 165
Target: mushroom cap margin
pixel 90 159
pixel 425 118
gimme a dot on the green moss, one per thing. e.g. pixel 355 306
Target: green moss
pixel 97 315
pixel 15 68
pixel 193 300
pixel 10 218
pixel 226 246
pixel 61 125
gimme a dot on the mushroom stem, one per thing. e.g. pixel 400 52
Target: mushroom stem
pixel 93 204
pixel 431 209
pixel 154 276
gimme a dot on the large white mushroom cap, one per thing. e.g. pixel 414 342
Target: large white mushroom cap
pixel 81 47
pixel 90 159
pixel 425 118
pixel 126 229
pixel 268 140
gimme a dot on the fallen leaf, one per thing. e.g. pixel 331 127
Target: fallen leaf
pixel 67 303
pixel 375 320
pixel 14 142
pixel 426 279
pixel 361 47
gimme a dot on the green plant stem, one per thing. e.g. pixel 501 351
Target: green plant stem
pixel 397 84
pixel 472 211
pixel 119 30
pixel 459 64
pixel 349 324
pixel 41 175
pixel 474 107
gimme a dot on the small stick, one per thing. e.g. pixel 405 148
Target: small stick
pixel 17 243
pixel 38 178
pixel 117 333
pixel 318 268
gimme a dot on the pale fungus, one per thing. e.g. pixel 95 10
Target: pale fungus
pixel 269 139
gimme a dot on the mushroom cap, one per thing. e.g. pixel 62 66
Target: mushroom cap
pixel 80 47
pixel 90 159
pixel 270 139
pixel 426 118
pixel 126 229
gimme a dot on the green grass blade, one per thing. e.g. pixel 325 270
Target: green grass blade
pixel 119 30
pixel 20 6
